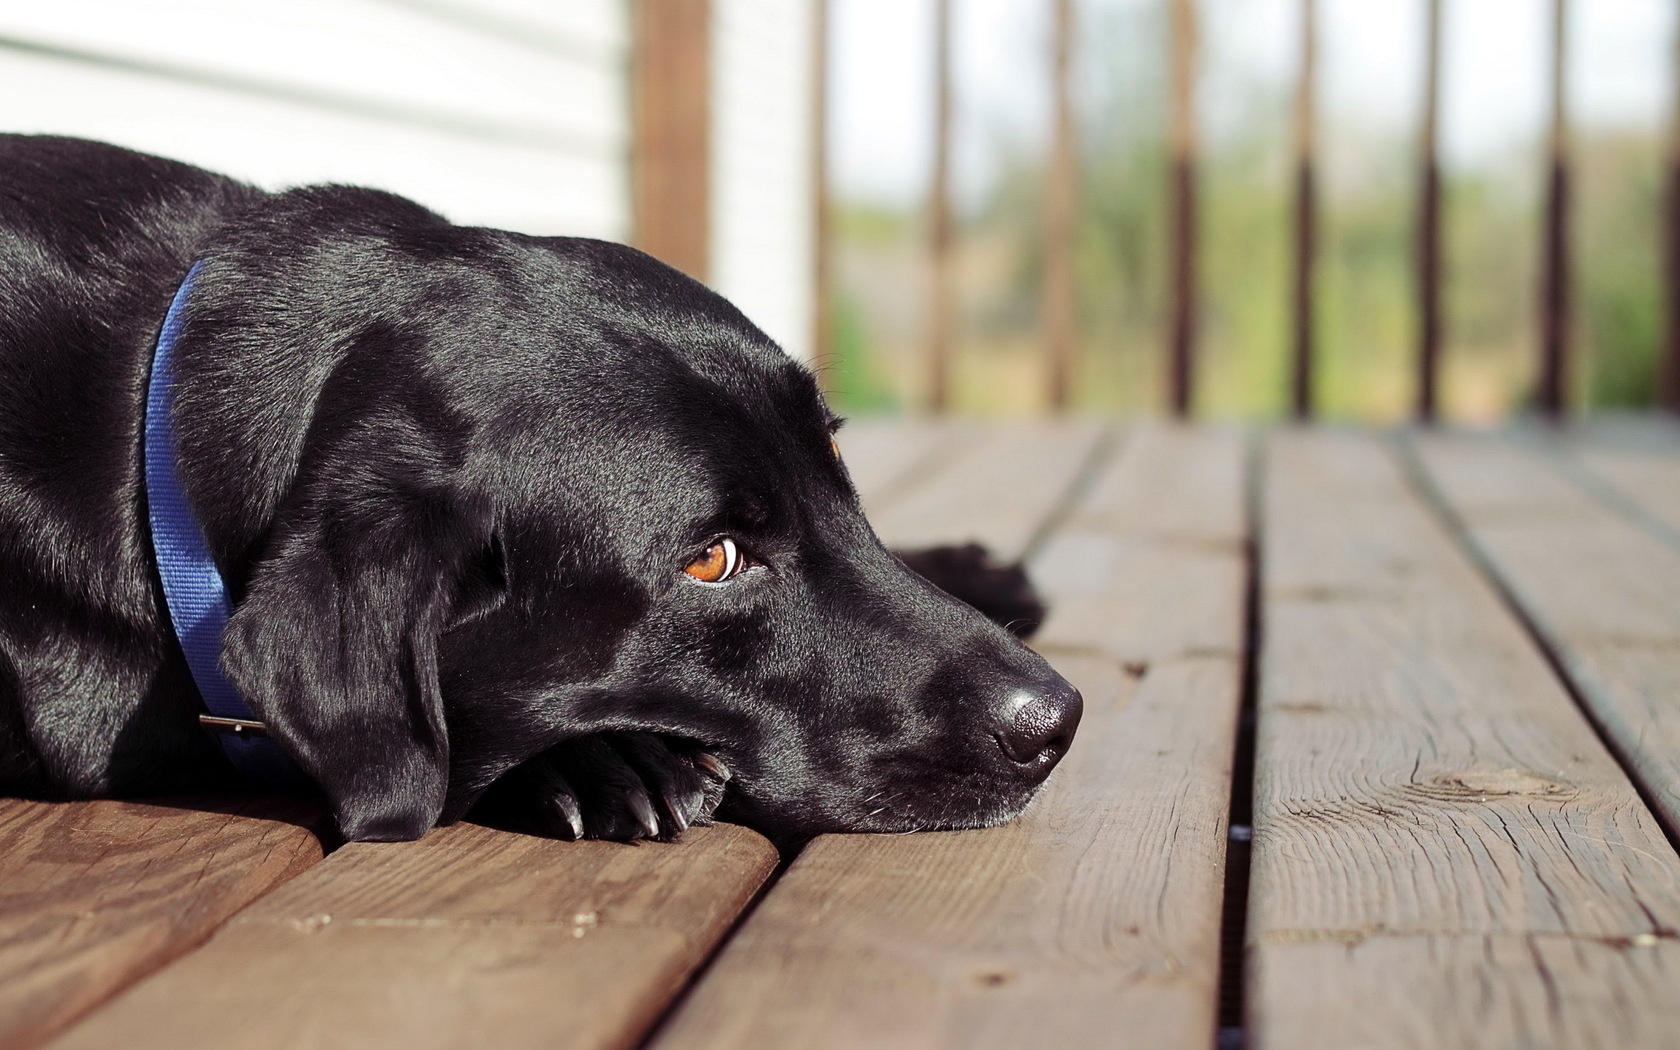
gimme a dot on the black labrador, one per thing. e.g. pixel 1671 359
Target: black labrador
pixel 535 524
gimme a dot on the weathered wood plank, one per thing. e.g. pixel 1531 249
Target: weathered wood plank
pixel 1604 593
pixel 1162 527
pixel 469 937
pixel 1648 477
pixel 1097 912
pixel 1490 991
pixel 94 895
pixel 889 458
pixel 1428 800
pixel 997 489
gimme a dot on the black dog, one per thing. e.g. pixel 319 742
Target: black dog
pixel 537 513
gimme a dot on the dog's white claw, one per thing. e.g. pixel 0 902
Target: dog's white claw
pixel 711 764
pixel 643 809
pixel 695 805
pixel 571 813
pixel 679 815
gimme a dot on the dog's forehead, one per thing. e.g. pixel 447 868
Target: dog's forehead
pixel 623 333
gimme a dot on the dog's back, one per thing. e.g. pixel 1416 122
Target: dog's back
pixel 92 241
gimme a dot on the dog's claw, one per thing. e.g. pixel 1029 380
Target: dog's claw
pixel 642 807
pixel 694 806
pixel 622 785
pixel 679 815
pixel 711 764
pixel 571 813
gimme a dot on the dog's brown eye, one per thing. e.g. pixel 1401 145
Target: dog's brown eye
pixel 721 561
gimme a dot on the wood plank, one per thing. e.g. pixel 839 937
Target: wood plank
pixel 1646 477
pixel 469 937
pixel 1095 913
pixel 1164 524
pixel 1603 592
pixel 1425 786
pixel 1615 992
pixel 997 490
pixel 94 895
pixel 888 458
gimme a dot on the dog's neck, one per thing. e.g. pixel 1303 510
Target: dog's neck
pixel 193 588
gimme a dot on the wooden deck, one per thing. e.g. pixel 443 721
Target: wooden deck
pixel 1437 675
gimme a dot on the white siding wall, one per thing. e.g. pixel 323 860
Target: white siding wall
pixel 510 113
pixel 763 230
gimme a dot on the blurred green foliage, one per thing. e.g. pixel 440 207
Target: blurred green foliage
pixel 1365 323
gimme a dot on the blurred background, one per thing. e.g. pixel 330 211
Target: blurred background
pixel 1359 209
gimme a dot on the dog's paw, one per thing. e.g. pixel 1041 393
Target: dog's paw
pixel 1000 591
pixel 620 786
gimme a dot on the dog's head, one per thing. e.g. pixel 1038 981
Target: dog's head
pixel 554 488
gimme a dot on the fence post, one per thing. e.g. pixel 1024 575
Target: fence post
pixel 938 307
pixel 1553 393
pixel 671 102
pixel 1429 225
pixel 1060 295
pixel 1306 192
pixel 1181 245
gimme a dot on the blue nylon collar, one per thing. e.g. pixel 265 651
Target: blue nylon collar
pixel 193 587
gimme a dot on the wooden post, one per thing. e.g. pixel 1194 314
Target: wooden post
pixel 1061 191
pixel 938 318
pixel 1306 192
pixel 671 89
pixel 821 222
pixel 1181 245
pixel 1552 395
pixel 1429 226
pixel 1668 369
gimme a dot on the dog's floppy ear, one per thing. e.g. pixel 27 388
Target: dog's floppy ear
pixel 335 646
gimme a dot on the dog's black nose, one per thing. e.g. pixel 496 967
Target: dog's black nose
pixel 1039 722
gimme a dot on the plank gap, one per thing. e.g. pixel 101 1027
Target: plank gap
pixel 1611 496
pixel 1240 824
pixel 787 855
pixel 1096 459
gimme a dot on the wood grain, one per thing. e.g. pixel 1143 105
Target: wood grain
pixel 889 458
pixel 1142 569
pixel 1490 991
pixel 1425 786
pixel 1648 477
pixel 469 937
pixel 93 895
pixel 997 490
pixel 1094 914
pixel 1604 593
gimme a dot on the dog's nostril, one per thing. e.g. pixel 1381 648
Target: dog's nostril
pixel 1042 721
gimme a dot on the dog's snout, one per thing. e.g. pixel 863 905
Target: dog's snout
pixel 1039 723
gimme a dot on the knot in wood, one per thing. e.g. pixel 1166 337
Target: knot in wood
pixel 1481 785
